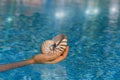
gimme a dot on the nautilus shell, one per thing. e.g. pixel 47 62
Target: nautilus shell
pixel 56 45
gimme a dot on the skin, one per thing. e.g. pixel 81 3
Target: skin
pixel 37 59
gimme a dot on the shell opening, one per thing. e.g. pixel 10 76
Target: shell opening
pixel 52 47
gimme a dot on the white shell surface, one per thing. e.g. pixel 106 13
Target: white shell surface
pixel 45 48
pixel 54 46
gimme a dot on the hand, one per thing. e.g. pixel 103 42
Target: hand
pixel 40 58
pixel 50 59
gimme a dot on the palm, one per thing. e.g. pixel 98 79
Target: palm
pixel 53 58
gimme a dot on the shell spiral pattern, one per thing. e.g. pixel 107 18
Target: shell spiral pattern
pixel 56 45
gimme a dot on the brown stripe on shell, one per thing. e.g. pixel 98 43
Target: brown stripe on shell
pixel 60 49
pixel 58 43
pixel 63 47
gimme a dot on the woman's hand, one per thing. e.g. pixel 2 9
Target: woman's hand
pixel 49 59
pixel 40 58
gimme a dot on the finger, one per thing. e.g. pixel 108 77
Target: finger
pixel 59 58
pixel 65 52
pixel 52 56
pixel 55 55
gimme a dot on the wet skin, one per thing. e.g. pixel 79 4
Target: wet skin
pixel 37 59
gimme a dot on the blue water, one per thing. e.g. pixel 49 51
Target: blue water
pixel 93 39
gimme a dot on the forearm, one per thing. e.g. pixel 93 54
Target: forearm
pixel 4 67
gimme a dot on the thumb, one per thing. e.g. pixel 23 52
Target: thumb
pixel 56 55
pixel 53 56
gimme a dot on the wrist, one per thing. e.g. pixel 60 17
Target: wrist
pixel 30 61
